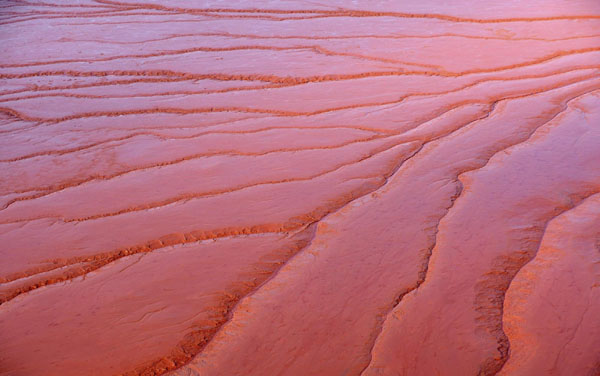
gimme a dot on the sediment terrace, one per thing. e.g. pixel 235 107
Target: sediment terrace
pixel 297 188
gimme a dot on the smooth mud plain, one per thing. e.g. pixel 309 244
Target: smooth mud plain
pixel 300 188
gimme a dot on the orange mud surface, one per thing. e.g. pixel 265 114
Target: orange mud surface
pixel 300 188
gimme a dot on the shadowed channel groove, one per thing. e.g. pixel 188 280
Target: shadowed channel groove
pixel 257 188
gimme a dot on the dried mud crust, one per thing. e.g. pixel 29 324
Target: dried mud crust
pixel 266 188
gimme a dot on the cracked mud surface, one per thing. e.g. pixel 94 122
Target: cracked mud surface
pixel 300 188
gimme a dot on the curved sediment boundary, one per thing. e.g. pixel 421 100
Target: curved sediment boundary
pixel 299 188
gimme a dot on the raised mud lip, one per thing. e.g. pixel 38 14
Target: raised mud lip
pixel 289 188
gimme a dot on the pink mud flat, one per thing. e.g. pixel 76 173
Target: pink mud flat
pixel 300 188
